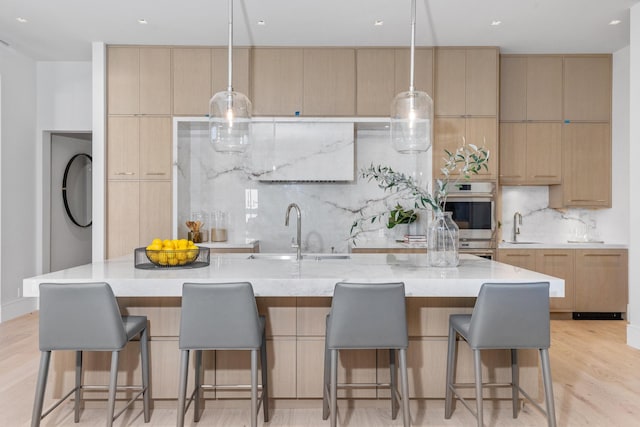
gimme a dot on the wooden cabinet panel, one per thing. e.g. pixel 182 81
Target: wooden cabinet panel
pixel 329 82
pixel 513 153
pixel 375 81
pixel 155 211
pixel 587 88
pixel 423 72
pixel 123 147
pixel 191 81
pixel 220 70
pixel 544 153
pixel 586 167
pixel 123 212
pixel 559 263
pixel 450 133
pixel 601 280
pixel 429 317
pixel 156 151
pixel 544 88
pixel 277 81
pixel 280 314
pixel 450 82
pixel 481 82
pixel 513 88
pixel 523 258
pixel 155 80
pixel 123 80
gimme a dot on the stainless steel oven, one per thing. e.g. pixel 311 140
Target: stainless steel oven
pixel 472 205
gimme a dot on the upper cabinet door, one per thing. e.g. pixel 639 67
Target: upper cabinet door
pixel 375 81
pixel 191 81
pixel 276 80
pixel 155 80
pixel 123 80
pixel 220 70
pixel 123 148
pixel 544 88
pixel 587 88
pixel 423 73
pixel 482 82
pixel 329 82
pixel 513 88
pixel 155 148
pixel 450 82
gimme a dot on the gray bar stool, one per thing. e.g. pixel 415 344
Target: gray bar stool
pixel 506 316
pixel 367 316
pixel 221 316
pixel 86 317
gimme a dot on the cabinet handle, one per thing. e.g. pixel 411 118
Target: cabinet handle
pixel 155 173
pixel 544 176
pixel 616 255
pixel 125 173
pixel 586 200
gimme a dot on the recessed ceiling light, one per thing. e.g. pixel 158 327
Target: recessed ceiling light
pixel 142 21
pixel 262 22
pixel 378 22
pixel 615 22
pixel 495 23
pixel 21 20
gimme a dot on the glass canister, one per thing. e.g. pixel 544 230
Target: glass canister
pixel 219 225
pixel 198 231
pixel 442 241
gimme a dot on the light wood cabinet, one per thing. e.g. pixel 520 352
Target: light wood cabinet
pixel 531 88
pixel 137 212
pixel 523 258
pixel 601 280
pixel 559 263
pixel 277 81
pixel 191 81
pixel 329 82
pixel 139 148
pixel 240 71
pixel 587 88
pixel 375 82
pixel 586 167
pixel 450 133
pixel 138 80
pixel 466 82
pixel 423 72
pixel 530 153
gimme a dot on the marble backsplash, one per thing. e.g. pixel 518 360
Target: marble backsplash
pixel 209 181
pixel 543 224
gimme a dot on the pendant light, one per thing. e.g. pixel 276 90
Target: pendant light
pixel 229 111
pixel 412 111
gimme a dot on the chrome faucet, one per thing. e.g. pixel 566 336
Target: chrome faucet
pixel 298 244
pixel 517 220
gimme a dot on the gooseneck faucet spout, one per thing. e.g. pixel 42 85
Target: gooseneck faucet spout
pixel 517 220
pixel 298 243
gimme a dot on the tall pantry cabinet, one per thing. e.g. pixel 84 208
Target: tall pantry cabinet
pixel 138 147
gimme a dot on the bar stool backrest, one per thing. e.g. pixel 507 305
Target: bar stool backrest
pixel 368 315
pixel 511 315
pixel 220 315
pixel 80 316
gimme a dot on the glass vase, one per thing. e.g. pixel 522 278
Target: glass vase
pixel 442 241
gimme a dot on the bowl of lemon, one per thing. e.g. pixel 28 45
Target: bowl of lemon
pixel 172 253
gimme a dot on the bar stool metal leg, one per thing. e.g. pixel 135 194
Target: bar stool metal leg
pixel 78 388
pixel 326 382
pixel 548 387
pixel 197 404
pixel 515 382
pixel 113 382
pixel 41 385
pixel 254 388
pixel 182 388
pixel 393 373
pixel 406 415
pixel 451 366
pixel 265 382
pixel 144 361
pixel 477 368
pixel 333 408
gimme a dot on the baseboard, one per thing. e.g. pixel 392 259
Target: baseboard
pixel 18 307
pixel 633 335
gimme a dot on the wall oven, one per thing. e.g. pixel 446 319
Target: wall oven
pixel 472 205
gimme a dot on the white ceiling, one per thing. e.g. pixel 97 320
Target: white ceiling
pixel 62 30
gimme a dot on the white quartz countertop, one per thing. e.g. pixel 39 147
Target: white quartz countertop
pixel 309 277
pixel 567 245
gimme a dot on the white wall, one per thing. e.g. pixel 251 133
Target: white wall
pixel 633 328
pixel 17 180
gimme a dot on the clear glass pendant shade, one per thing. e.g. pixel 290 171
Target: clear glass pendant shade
pixel 412 122
pixel 230 121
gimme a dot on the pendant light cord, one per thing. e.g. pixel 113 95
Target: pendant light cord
pixel 413 43
pixel 230 48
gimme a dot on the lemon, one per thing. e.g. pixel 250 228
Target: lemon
pixel 156 241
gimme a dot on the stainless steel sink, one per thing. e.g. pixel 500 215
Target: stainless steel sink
pixel 292 257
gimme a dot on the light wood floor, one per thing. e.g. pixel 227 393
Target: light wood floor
pixel 596 380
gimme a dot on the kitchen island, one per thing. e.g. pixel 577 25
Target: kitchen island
pixel 295 297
